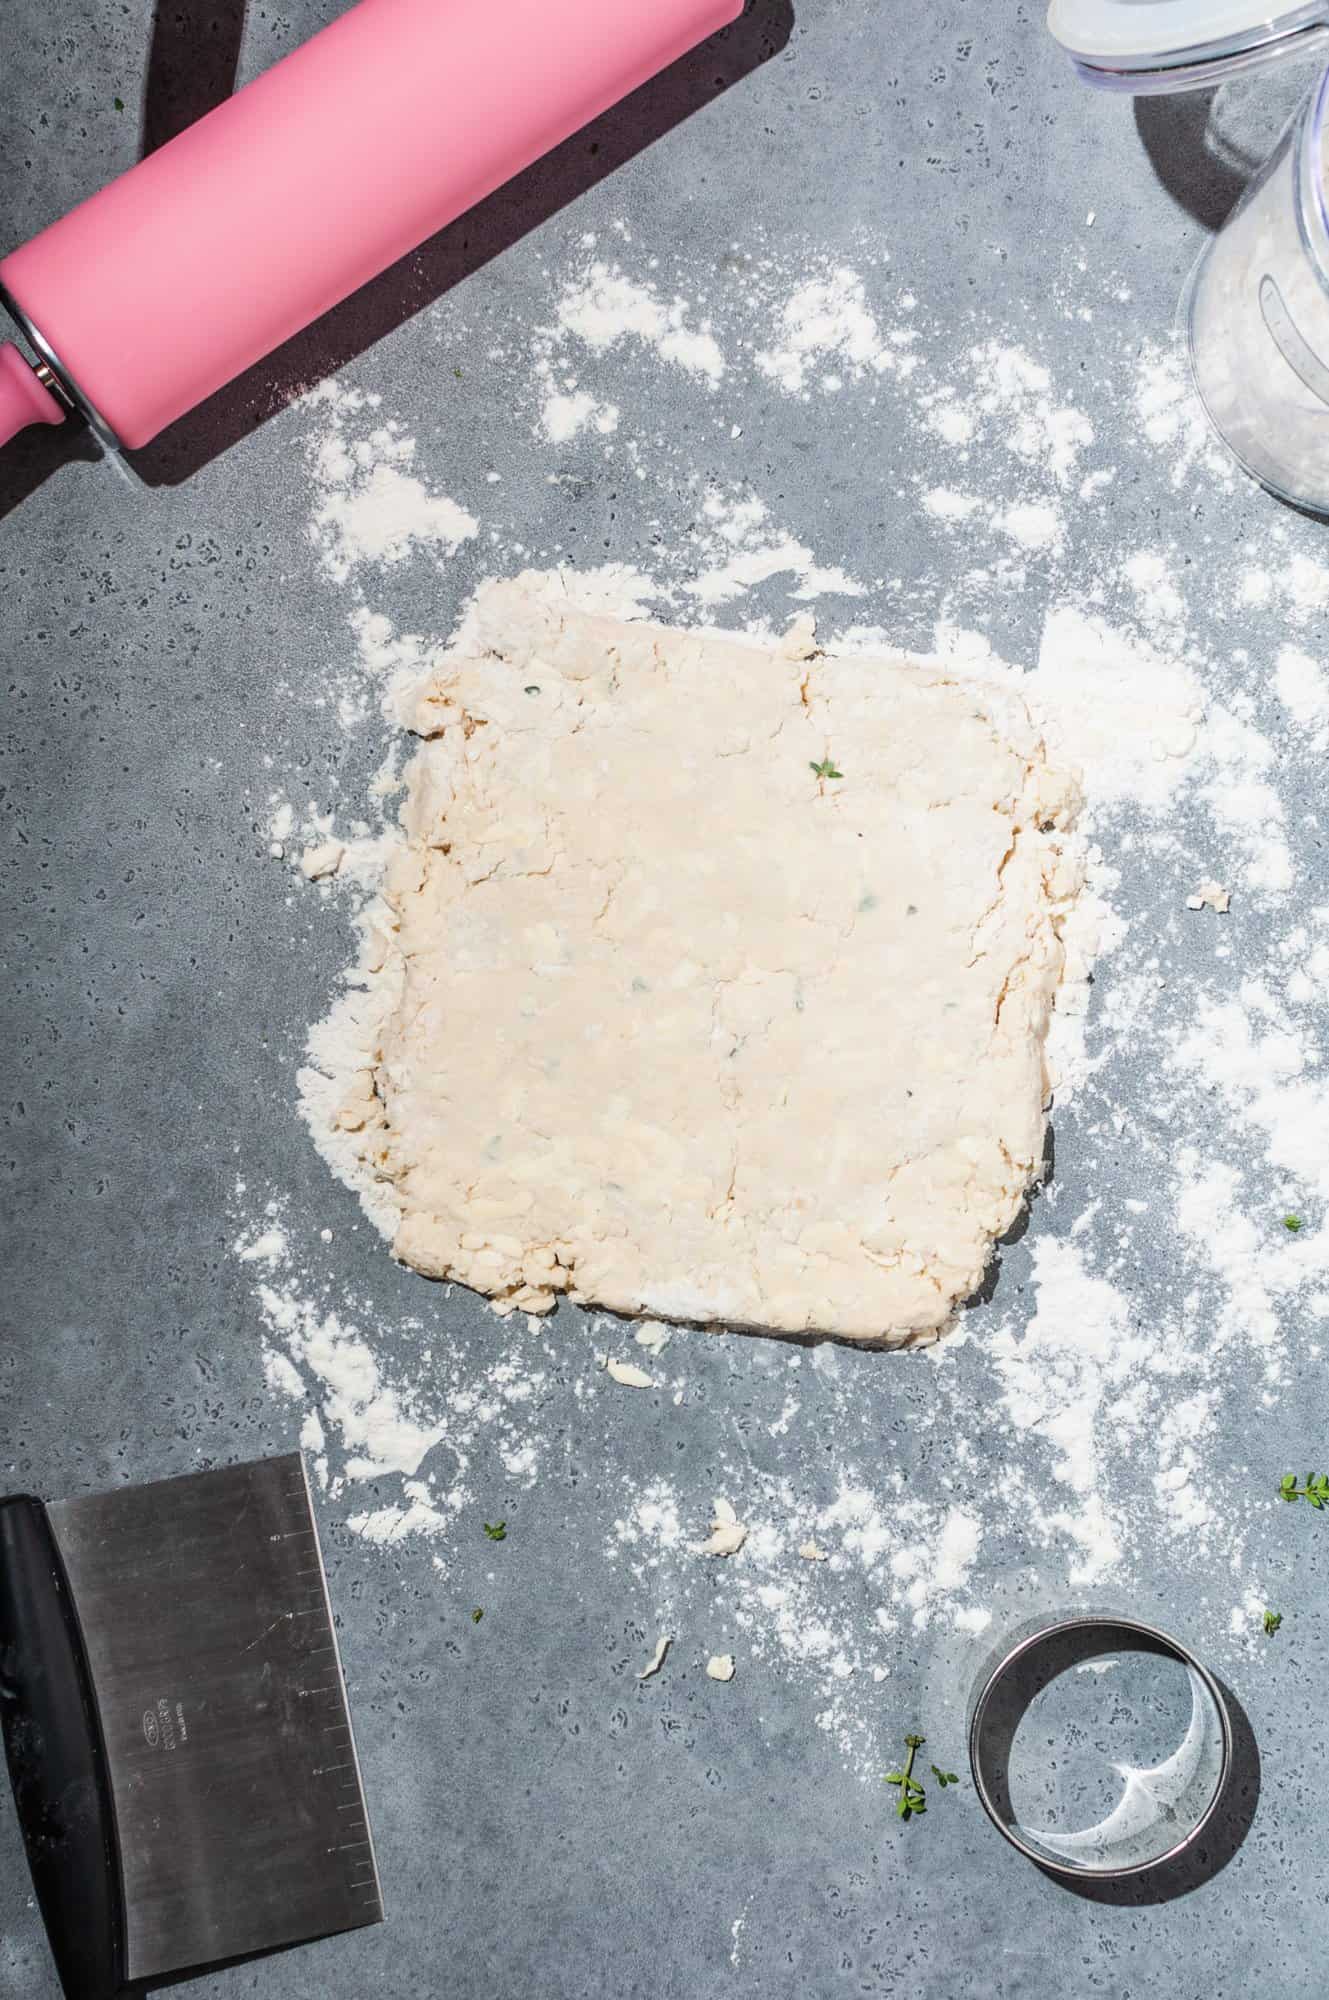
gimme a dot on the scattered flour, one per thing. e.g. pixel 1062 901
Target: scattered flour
pixel 364 1410
pixel 1031 523
pixel 751 552
pixel 567 411
pixel 268 1248
pixel 1006 394
pixel 1170 417
pixel 1303 689
pixel 411 1424
pixel 1077 1432
pixel 825 329
pixel 945 505
pixel 1149 573
pixel 1057 1374
pixel 371 508
pixel 602 308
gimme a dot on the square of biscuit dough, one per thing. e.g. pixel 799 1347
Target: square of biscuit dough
pixel 717 975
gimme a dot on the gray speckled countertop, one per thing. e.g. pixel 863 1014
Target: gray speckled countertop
pixel 544 1824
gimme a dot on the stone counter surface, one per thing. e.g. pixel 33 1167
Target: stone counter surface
pixel 545 1823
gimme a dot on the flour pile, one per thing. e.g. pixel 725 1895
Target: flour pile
pixel 1074 1439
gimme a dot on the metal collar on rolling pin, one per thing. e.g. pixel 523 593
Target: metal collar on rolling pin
pixel 29 394
pixel 41 392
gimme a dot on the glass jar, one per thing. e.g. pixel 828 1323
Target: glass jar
pixel 1256 308
pixel 1256 313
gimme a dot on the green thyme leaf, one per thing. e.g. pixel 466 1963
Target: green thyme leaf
pixel 912 1797
pixel 497 1531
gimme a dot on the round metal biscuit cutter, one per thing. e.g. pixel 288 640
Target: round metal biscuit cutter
pixel 1049 1737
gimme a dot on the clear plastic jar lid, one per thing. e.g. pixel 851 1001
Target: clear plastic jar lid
pixel 1150 47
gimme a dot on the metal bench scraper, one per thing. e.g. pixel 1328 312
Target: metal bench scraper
pixel 176 1726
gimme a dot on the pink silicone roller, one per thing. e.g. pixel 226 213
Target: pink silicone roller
pixel 308 182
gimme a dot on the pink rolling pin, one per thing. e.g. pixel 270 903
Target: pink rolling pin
pixel 304 185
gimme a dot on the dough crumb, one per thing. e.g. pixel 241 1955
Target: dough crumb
pixel 317 863
pixel 727 1532
pixel 720 1666
pixel 653 1336
pixel 800 641
pixel 1210 894
pixel 811 1553
pixel 656 1661
pixel 628 1373
pixel 269 1248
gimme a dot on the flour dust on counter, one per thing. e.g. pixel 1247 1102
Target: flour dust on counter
pixel 1052 530
pixel 369 1423
pixel 373 507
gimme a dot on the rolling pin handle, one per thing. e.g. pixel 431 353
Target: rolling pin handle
pixel 51 1730
pixel 23 398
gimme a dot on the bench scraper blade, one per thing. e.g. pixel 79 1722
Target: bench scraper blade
pixel 177 1727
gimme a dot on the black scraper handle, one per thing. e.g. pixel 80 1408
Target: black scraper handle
pixel 53 1745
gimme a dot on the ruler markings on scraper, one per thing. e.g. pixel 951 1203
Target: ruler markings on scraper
pixel 208 1584
pixel 361 1872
